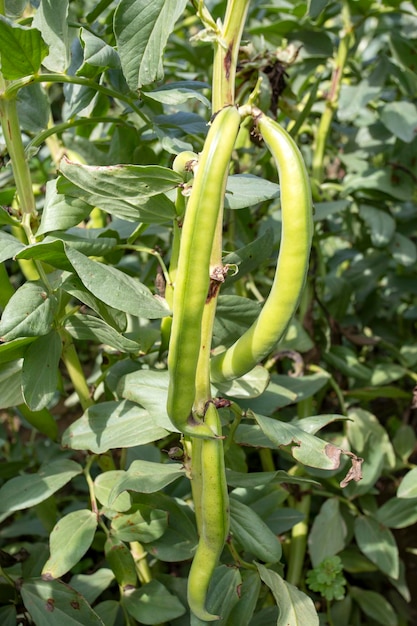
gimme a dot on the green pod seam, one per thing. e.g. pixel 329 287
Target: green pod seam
pixel 292 265
pixel 193 273
pixel 214 529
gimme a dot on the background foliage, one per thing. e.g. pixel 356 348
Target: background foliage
pixel 95 490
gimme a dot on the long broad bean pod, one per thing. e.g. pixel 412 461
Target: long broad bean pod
pixel 290 274
pixel 214 523
pixel 193 271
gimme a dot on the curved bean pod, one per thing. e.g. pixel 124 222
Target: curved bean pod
pixel 297 230
pixel 214 519
pixel 193 274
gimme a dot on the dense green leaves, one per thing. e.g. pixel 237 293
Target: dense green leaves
pixel 96 485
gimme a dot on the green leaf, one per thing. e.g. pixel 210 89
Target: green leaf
pixel 51 19
pixel 375 606
pixel 42 420
pixel 22 50
pixel 33 108
pixel 247 259
pixel 147 477
pixel 156 209
pixel 142 30
pixel 245 190
pixel 223 593
pixel 153 604
pixel 306 448
pixel 381 224
pixel 408 485
pixel 121 181
pixel 51 252
pixel 103 485
pixel 97 54
pixel 116 288
pixel 51 602
pixel 8 616
pixel 11 384
pixel 378 544
pixel 328 532
pixel 29 312
pixel 144 525
pixel 69 540
pixel 92 585
pixel 253 534
pixel 250 385
pixel 234 314
pixel 9 246
pixel 94 329
pixel 398 512
pixel 148 388
pixel 110 425
pixel 61 211
pixel 13 350
pixel 113 317
pixel 249 590
pixel 174 93
pixel 295 607
pixel 179 541
pixel 121 561
pixel 40 370
pixel 400 119
pixel 403 250
pixel 284 390
pixel 28 490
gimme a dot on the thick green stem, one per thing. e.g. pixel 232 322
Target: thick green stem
pixel 226 53
pixel 16 151
pixel 333 96
pixel 298 545
pixel 75 371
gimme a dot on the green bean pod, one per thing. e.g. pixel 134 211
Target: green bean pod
pixel 193 273
pixel 214 518
pixel 292 265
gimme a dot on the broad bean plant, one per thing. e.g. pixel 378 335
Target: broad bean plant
pixel 207 296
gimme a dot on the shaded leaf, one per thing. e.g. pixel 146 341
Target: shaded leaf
pixel 40 370
pixel 400 119
pixel 253 534
pixel 92 328
pixel 51 602
pixel 398 512
pixel 408 485
pixel 92 585
pixel 328 533
pixel 143 524
pixel 374 605
pixel 116 288
pixel 153 604
pixel 29 312
pixel 378 544
pixel 11 383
